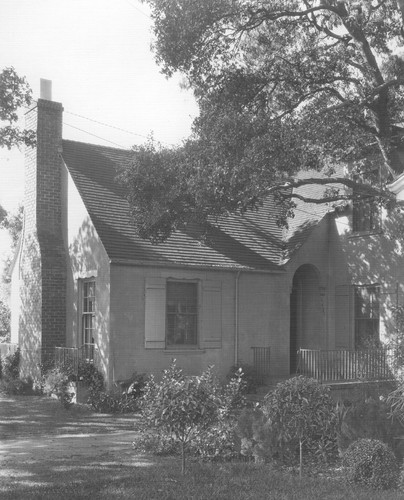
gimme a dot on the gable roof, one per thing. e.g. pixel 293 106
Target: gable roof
pixel 250 241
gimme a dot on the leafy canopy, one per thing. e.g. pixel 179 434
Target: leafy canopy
pixel 282 86
pixel 14 94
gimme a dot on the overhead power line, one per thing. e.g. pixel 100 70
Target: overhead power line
pixel 136 8
pixel 94 135
pixel 106 124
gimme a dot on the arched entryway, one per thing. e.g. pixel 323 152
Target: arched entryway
pixel 307 323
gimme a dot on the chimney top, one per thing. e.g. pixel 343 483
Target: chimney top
pixel 46 89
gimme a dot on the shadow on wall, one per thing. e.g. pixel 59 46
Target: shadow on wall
pixel 88 258
pixel 30 319
pixel 379 259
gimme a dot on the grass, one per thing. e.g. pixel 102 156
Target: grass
pixel 162 480
pixel 46 462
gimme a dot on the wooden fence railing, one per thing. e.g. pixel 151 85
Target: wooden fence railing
pixel 7 348
pixel 71 356
pixel 261 362
pixel 341 365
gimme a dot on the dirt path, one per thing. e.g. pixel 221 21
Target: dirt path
pixel 41 443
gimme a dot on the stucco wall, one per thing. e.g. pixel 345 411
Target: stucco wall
pixel 324 251
pixel 261 321
pixel 87 258
pixel 376 258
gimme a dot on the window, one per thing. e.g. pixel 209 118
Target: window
pixel 367 300
pixel 88 312
pixel 365 216
pixel 366 209
pixel 181 314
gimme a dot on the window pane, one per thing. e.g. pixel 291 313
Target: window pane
pixel 365 215
pixel 88 311
pixel 182 307
pixel 367 316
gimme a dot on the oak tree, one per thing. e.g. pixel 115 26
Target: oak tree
pixel 282 86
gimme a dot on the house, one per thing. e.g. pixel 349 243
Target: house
pixel 83 276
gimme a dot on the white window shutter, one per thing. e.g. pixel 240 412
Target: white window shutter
pixel 342 316
pixel 211 324
pixel 155 313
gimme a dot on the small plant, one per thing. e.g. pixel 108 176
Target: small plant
pixel 372 463
pixel 250 379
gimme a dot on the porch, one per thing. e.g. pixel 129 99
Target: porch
pixel 72 356
pixel 340 365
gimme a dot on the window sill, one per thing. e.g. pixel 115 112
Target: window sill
pixel 183 351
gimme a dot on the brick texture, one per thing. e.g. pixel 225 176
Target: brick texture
pixel 43 259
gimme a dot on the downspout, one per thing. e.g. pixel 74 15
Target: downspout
pixel 236 322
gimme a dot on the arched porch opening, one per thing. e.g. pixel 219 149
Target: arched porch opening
pixel 307 322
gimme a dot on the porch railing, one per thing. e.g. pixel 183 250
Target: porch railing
pixel 261 362
pixel 345 365
pixel 72 356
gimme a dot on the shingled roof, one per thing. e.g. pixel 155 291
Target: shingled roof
pixel 250 241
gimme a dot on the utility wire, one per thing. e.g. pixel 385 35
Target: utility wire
pixel 106 124
pixel 94 135
pixel 136 8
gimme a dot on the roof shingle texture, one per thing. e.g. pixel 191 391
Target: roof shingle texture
pixel 249 241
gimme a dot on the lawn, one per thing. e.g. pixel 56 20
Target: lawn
pixel 47 452
pixel 162 479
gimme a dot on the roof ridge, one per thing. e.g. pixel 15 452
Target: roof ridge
pixel 128 150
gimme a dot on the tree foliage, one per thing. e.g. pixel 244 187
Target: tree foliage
pixel 14 94
pixel 300 410
pixel 281 86
pixel 185 408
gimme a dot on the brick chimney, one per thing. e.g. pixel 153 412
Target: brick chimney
pixel 43 256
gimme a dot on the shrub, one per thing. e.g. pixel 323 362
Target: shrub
pixel 156 442
pixel 368 419
pixel 250 379
pixel 131 390
pixel 123 400
pixel 372 463
pixel 57 382
pixel 11 366
pixel 196 412
pixel 299 414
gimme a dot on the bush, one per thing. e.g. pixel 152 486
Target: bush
pixel 11 366
pixel 57 382
pixel 250 379
pixel 372 463
pixel 196 412
pixel 123 400
pixel 299 414
pixel 368 419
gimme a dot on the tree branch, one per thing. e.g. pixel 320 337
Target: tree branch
pixel 286 188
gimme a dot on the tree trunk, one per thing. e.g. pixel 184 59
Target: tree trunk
pixel 301 458
pixel 183 457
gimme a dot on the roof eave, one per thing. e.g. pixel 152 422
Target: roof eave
pixel 143 263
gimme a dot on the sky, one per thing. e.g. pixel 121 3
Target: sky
pixel 97 55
